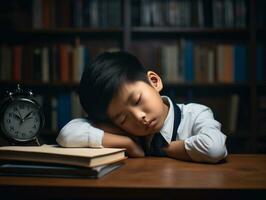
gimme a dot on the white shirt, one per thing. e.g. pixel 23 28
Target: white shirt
pixel 204 141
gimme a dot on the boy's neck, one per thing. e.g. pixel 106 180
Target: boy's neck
pixel 167 105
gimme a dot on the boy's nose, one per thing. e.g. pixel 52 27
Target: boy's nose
pixel 139 116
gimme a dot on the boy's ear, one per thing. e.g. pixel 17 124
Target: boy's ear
pixel 155 80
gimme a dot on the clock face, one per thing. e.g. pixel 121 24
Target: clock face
pixel 21 120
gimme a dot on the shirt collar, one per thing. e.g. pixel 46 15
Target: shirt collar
pixel 167 129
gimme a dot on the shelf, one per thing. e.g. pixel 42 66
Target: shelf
pixel 40 84
pixel 168 84
pixel 29 35
pixel 206 89
pixel 38 87
pixel 168 29
pixel 209 85
pixel 66 31
pixel 210 33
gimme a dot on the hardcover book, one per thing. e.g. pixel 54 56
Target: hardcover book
pixel 55 170
pixel 83 157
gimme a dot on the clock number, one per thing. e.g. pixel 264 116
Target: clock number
pixel 11 128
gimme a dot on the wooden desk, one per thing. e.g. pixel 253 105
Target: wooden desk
pixel 241 177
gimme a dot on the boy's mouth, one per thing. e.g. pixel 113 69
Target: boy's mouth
pixel 151 124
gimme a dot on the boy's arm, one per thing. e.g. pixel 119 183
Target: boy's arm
pixel 80 133
pixel 207 143
pixel 115 137
pixel 176 149
pixel 121 141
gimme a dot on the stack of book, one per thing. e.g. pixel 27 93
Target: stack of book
pixel 55 161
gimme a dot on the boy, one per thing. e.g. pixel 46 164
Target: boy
pixel 125 109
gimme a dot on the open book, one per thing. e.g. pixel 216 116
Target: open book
pixel 83 157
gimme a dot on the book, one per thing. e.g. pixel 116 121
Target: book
pixel 55 170
pixel 83 157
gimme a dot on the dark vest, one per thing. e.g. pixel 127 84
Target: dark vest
pixel 158 141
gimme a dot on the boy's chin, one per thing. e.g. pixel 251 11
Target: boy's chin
pixel 144 134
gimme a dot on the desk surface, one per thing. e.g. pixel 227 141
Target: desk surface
pixel 156 177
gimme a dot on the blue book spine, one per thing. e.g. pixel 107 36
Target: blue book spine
pixel 64 109
pixel 240 63
pixel 189 61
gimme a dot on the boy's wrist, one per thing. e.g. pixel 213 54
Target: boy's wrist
pixel 133 149
pixel 176 149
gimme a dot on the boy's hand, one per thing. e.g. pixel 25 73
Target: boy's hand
pixel 120 141
pixel 117 138
pixel 176 149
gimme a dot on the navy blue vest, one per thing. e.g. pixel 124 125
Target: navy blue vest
pixel 158 141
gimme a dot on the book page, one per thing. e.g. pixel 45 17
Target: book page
pixel 53 149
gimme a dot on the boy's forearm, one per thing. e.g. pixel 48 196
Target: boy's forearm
pixel 176 149
pixel 120 141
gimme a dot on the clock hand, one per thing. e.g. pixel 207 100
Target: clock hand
pixel 17 117
pixel 27 116
pixel 19 114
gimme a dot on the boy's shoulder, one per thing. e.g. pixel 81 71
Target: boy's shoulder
pixel 193 107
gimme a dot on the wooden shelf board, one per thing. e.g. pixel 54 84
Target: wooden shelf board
pixel 188 30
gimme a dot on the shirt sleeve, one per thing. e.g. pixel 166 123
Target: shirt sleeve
pixel 208 142
pixel 80 133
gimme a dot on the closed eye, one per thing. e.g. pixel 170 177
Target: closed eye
pixel 138 100
pixel 123 120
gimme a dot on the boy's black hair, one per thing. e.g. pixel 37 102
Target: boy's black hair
pixel 102 79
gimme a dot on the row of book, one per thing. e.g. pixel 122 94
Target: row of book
pixel 189 61
pixel 61 62
pixel 49 14
pixel 60 109
pixel 184 61
pixel 76 13
pixel 190 13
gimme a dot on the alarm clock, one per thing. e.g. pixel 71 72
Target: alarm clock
pixel 21 119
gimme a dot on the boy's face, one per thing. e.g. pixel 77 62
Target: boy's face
pixel 138 107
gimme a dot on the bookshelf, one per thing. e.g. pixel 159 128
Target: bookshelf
pixel 125 25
